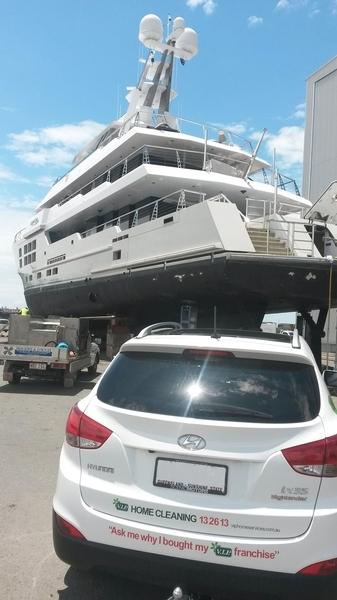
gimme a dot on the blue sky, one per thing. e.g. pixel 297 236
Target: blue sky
pixel 65 65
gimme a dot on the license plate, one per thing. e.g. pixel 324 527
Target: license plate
pixel 39 366
pixel 188 476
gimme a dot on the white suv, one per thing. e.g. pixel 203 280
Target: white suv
pixel 199 457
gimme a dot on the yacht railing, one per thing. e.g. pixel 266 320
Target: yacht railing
pixel 168 157
pixel 154 210
pixel 157 155
pixel 266 175
pixel 188 127
pixel 261 209
pixel 297 235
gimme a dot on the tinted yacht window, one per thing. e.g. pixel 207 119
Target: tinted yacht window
pixel 211 387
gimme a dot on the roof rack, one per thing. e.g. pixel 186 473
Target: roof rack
pixel 173 328
pixel 296 340
pixel 164 327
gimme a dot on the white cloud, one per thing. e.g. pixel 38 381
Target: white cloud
pixel 7 109
pixel 208 6
pixel 254 21
pixel 45 181
pixel 299 111
pixel 288 143
pixel 12 291
pixel 239 128
pixel 6 174
pixel 53 145
pixel 282 4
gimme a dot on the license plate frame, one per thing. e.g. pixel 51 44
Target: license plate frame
pixel 200 468
pixel 38 366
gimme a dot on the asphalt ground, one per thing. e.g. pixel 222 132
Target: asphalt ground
pixel 32 421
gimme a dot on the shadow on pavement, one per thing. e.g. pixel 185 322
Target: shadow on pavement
pixel 103 586
pixel 50 387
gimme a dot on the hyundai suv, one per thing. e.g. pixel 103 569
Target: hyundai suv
pixel 200 457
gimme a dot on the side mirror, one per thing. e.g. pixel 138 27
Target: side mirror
pixel 330 378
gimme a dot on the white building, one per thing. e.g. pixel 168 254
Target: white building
pixel 320 143
pixel 320 149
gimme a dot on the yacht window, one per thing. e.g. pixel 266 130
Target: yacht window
pixel 116 255
pixel 48 272
pixel 20 251
pixel 25 249
pixel 33 257
pixel 34 245
pixel 39 275
pixel 55 271
pixel 30 277
pixel 20 263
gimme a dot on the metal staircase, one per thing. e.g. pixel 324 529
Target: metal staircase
pixel 265 242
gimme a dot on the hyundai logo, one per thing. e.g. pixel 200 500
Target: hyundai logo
pixel 191 442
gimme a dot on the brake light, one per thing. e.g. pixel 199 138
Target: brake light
pixel 202 353
pixel 84 432
pixel 326 567
pixel 318 459
pixel 68 529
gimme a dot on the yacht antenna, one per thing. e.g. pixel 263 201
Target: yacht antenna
pixel 168 26
pixel 215 334
pixel 253 156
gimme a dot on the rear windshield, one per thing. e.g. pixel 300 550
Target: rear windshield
pixel 213 388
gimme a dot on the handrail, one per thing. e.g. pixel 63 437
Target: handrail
pixel 152 211
pixel 145 152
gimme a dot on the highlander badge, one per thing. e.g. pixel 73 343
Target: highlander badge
pixel 191 442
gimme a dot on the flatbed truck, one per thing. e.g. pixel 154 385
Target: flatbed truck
pixel 54 348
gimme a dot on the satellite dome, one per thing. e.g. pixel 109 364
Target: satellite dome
pixel 177 28
pixel 187 42
pixel 150 30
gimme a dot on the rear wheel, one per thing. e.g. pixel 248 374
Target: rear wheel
pixel 69 380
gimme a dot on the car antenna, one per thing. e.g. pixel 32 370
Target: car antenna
pixel 215 334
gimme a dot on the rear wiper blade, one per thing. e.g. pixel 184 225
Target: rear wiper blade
pixel 242 410
pixel 235 411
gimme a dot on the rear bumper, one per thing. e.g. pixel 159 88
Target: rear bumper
pixel 192 576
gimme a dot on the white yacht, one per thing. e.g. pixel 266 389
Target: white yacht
pixel 158 213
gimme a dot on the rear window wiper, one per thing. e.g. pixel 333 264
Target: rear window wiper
pixel 235 411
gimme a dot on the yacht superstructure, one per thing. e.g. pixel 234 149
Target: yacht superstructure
pixel 155 213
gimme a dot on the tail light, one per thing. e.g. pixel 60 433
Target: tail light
pixel 318 459
pixel 83 432
pixel 68 529
pixel 326 567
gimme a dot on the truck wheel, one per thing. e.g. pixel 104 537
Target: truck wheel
pixel 93 369
pixel 16 379
pixel 69 380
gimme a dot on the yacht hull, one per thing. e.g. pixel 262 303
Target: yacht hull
pixel 243 287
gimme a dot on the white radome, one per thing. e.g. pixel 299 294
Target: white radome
pixel 177 28
pixel 150 30
pixel 188 43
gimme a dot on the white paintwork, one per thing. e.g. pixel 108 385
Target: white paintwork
pixel 256 515
pixel 180 161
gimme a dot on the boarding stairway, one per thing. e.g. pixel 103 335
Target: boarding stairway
pixel 266 242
